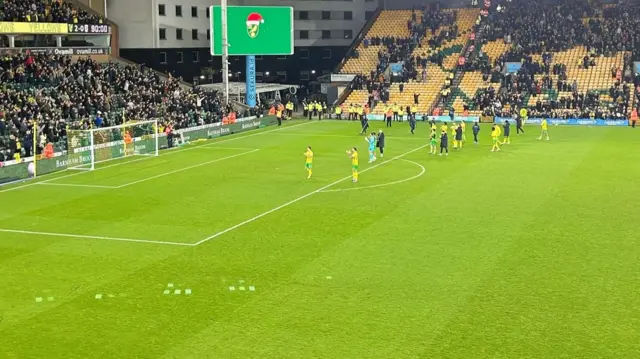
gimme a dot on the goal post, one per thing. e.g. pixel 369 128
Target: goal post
pixel 86 148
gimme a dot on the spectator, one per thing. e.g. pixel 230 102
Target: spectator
pixel 45 11
pixel 58 93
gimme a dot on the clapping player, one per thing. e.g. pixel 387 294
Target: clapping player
pixel 371 140
pixel 353 154
pixel 308 161
pixel 495 135
pixel 544 129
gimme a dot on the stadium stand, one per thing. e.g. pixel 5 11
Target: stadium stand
pixel 59 92
pixel 576 61
pixel 428 41
pixel 568 69
pixel 56 11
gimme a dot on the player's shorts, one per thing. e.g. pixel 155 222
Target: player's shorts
pixel 371 149
pixel 434 142
pixel 354 167
pixel 495 139
pixel 308 165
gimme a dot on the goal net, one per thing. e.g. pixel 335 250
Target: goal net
pixel 86 148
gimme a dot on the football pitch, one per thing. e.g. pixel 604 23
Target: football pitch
pixel 223 249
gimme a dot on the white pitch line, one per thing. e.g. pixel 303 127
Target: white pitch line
pixel 300 198
pixel 82 236
pixel 389 137
pixel 235 138
pixel 73 185
pixel 232 138
pixel 224 148
pixel 422 171
pixel 186 168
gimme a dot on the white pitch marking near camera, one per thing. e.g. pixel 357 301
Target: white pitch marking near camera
pixel 422 171
pixel 82 236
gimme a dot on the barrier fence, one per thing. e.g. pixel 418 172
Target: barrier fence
pixel 489 119
pixel 571 121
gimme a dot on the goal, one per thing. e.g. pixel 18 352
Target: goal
pixel 86 148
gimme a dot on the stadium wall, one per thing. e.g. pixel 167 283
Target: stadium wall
pixel 537 121
pixel 571 121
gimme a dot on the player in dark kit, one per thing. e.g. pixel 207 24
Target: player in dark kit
pixel 519 125
pixel 507 131
pixel 380 143
pixel 476 130
pixel 459 136
pixel 412 123
pixel 444 143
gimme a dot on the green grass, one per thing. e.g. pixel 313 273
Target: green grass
pixel 531 252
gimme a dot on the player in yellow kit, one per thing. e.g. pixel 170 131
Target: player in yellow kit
pixel 308 161
pixel 453 134
pixel 495 137
pixel 464 131
pixel 545 129
pixel 353 154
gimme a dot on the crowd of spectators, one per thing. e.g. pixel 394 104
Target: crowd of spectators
pixel 57 11
pixel 59 93
pixel 537 28
pixel 424 21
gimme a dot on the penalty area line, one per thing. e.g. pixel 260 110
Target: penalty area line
pixel 73 185
pixel 218 234
pixel 82 236
pixel 186 168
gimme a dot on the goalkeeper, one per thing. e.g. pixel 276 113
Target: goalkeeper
pixel 128 144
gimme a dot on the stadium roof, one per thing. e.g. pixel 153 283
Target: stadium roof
pixel 240 87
